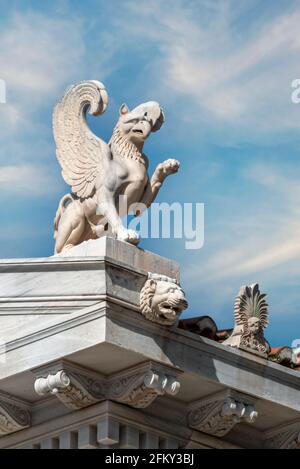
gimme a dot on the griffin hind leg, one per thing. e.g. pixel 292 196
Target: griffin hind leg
pixel 70 229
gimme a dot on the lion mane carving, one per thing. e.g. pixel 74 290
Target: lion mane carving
pixel 99 173
pixel 162 300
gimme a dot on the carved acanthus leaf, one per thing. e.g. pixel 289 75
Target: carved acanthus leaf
pixel 142 387
pixel 75 390
pixel 284 437
pixel 137 386
pixel 218 414
pixel 251 318
pixel 14 416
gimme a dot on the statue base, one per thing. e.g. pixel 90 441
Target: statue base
pixel 81 367
pixel 44 292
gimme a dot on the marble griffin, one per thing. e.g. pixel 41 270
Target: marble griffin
pixel 100 173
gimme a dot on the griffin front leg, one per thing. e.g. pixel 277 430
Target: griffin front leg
pixel 162 171
pixel 106 207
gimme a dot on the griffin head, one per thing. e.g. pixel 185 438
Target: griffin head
pixel 137 124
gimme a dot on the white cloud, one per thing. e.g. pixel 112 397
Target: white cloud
pixel 257 240
pixel 27 179
pixel 240 75
pixel 38 54
pixel 38 57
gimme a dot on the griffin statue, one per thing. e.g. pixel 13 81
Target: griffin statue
pixel 100 173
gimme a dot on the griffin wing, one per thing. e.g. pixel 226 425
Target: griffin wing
pixel 81 154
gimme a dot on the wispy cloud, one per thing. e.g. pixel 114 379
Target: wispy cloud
pixel 222 69
pixel 254 242
pixel 235 75
pixel 27 180
pixel 38 56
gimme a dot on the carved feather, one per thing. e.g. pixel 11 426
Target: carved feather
pixel 240 315
pixel 251 303
pixel 81 154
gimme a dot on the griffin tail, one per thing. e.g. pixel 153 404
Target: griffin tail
pixel 60 210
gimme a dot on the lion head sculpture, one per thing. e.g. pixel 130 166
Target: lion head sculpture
pixel 162 300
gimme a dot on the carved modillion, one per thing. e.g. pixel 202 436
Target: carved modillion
pixel 283 437
pixel 75 389
pixel 219 413
pixel 14 415
pixel 141 385
pixel 137 386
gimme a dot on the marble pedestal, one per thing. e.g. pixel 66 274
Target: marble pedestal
pixel 80 367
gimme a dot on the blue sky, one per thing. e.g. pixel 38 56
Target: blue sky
pixel 222 71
